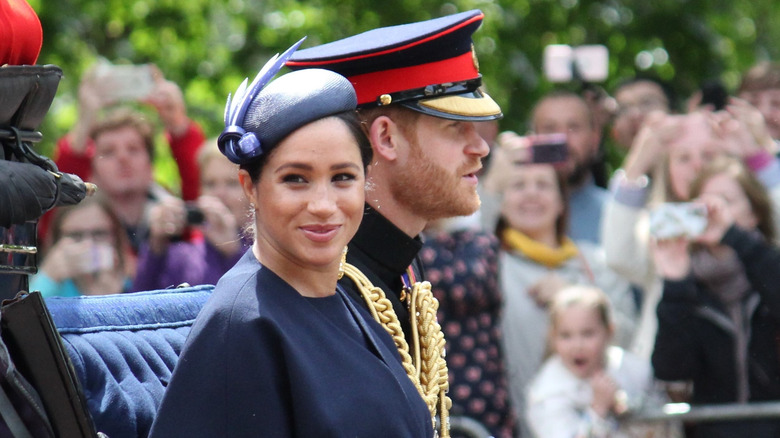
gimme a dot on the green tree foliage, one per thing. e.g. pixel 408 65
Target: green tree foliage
pixel 209 46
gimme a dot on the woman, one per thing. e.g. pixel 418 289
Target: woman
pixel 88 252
pixel 720 312
pixel 279 350
pixel 667 155
pixel 213 225
pixel 535 261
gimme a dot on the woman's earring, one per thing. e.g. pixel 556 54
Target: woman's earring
pixel 342 262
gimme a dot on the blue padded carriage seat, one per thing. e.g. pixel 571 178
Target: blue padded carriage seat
pixel 123 348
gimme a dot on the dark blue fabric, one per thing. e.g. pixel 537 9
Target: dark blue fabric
pixel 263 361
pixel 123 348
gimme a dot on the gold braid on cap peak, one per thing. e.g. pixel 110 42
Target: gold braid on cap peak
pixel 428 369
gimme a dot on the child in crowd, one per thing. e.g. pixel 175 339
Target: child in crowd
pixel 537 259
pixel 586 384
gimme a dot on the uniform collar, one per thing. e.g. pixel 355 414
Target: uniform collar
pixel 385 243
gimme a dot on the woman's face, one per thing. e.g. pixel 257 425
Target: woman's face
pixel 309 199
pixel 737 202
pixel 87 234
pixel 580 338
pixel 219 178
pixel 695 147
pixel 532 201
pixel 87 223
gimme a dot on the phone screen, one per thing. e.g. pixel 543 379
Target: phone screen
pixel 548 148
pixel 126 82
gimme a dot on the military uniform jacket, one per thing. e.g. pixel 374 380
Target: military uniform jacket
pixel 264 361
pixel 383 253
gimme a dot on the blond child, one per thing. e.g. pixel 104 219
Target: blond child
pixel 585 384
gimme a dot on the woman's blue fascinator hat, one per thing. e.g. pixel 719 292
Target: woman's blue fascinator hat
pixel 260 115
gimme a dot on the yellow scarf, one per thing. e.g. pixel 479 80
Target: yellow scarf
pixel 537 251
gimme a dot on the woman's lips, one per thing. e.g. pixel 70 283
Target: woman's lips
pixel 320 233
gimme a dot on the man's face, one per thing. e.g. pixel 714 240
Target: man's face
pixel 634 102
pixel 768 102
pixel 440 168
pixel 121 165
pixel 569 115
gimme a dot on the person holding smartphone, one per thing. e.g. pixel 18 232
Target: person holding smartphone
pixel 537 259
pixel 720 312
pixel 564 112
pixel 112 144
pixel 667 156
pixel 87 252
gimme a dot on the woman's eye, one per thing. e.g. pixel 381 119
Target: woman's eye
pixel 293 178
pixel 344 177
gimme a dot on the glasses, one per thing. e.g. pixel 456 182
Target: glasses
pixel 643 106
pixel 94 235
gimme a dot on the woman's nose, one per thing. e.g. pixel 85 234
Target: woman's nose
pixel 322 201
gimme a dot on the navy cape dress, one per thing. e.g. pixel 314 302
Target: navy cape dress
pixel 264 361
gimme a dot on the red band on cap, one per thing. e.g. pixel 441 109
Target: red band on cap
pixel 369 86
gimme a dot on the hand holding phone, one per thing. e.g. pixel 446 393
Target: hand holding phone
pixel 535 148
pixel 548 148
pixel 678 219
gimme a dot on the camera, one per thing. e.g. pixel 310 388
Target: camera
pixel 195 215
pixel 678 219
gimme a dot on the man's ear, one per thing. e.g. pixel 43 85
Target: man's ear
pixel 249 187
pixel 384 135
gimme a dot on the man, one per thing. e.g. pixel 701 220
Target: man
pixel 566 112
pixel 418 95
pixel 122 169
pixel 635 99
pixel 117 151
pixel 761 87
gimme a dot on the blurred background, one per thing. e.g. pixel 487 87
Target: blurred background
pixel 209 46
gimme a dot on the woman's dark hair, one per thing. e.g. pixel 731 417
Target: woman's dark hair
pixel 350 119
pixel 667 89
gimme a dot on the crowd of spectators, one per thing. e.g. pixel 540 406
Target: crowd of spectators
pixel 695 314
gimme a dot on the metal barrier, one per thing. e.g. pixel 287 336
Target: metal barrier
pixel 704 413
pixel 467 427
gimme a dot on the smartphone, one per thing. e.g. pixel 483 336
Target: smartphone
pixel 678 219
pixel 564 63
pixel 125 82
pixel 99 257
pixel 548 148
pixel 715 94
